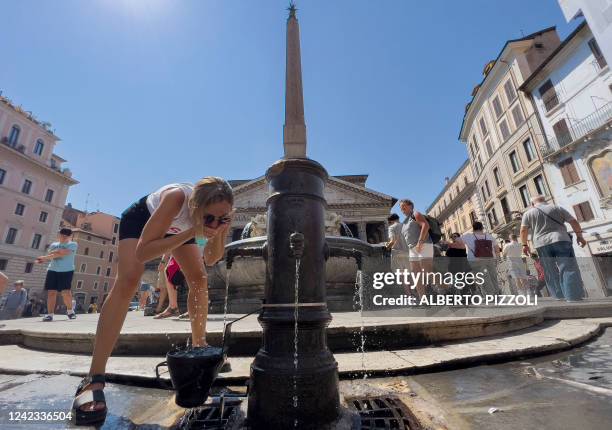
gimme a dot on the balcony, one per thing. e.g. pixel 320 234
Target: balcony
pixel 577 130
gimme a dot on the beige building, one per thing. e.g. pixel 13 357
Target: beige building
pixel 96 260
pixel 457 206
pixel 503 135
pixel 33 189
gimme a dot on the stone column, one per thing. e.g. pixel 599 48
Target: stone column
pixel 362 231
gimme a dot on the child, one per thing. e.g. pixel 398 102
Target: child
pixel 170 220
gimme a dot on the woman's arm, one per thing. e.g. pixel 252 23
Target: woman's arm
pixel 152 243
pixel 216 246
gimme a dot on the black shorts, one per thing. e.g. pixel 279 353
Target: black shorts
pixel 58 281
pixel 177 279
pixel 133 220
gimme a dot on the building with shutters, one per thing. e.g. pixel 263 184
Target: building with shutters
pixel 572 94
pixel 96 260
pixel 33 190
pixel 503 135
pixel 457 206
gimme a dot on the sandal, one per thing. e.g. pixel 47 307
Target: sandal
pixel 82 397
pixel 169 312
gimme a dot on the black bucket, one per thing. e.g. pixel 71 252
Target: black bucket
pixel 193 371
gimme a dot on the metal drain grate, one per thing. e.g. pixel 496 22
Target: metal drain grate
pixel 213 416
pixel 378 413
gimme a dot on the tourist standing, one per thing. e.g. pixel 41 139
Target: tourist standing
pixel 481 250
pixel 540 271
pixel 60 271
pixel 415 230
pixel 15 302
pixel 397 244
pixel 513 253
pixel 554 246
pixel 173 278
pixel 144 294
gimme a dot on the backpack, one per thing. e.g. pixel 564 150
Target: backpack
pixel 435 229
pixel 483 248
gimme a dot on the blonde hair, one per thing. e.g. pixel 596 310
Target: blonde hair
pixel 207 191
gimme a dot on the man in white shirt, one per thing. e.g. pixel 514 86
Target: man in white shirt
pixel 513 252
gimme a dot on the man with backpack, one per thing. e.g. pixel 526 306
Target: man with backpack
pixel 554 246
pixel 481 250
pixel 417 230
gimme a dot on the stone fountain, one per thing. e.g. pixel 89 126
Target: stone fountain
pixel 291 388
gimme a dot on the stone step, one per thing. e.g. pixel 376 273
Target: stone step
pixel 547 337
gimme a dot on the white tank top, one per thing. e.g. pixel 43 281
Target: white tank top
pixel 182 221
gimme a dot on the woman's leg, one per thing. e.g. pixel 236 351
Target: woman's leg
pixel 172 295
pixel 115 309
pixel 163 294
pixel 190 260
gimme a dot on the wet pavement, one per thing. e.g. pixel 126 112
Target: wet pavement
pixel 569 390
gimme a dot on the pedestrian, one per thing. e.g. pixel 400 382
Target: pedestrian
pixel 457 257
pixel 513 253
pixel 415 229
pixel 397 244
pixel 93 308
pixel 144 295
pixel 28 311
pixel 15 302
pixel 191 222
pixel 173 279
pixel 481 250
pixel 553 243
pixel 60 272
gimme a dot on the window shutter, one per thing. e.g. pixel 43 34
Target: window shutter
pixel 578 212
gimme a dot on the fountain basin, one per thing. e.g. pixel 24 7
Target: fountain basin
pixel 247 279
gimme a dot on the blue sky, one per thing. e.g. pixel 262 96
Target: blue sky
pixel 148 92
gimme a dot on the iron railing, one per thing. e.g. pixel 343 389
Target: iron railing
pixel 578 130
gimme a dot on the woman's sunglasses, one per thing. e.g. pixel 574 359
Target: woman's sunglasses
pixel 210 220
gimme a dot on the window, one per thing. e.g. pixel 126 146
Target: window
pixel 110 257
pixel 28 267
pixel 27 186
pixel 539 184
pixel 89 238
pixel 115 228
pixel 568 171
pixel 509 89
pixel 36 241
pixel 497 106
pixel 483 127
pixel 49 196
pixel 529 152
pixel 562 132
pixel 514 161
pixel 473 217
pixel 14 135
pixel 487 187
pixel 505 208
pixel 525 198
pixel 40 146
pixel 3 264
pixel 19 209
pixel 491 220
pixel 95 286
pixel 517 114
pixel 86 252
pixel 549 96
pixel 105 287
pixel 601 61
pixel 484 192
pixel 98 270
pixel 457 190
pixel 113 241
pixel 489 148
pixel 583 212
pixel 83 267
pixel 478 159
pixel 43 216
pixel 108 271
pixel 496 176
pixel 101 254
pixel 11 235
pixel 494 216
pixel 2 176
pixel 505 131
pixel 79 285
pixel 465 180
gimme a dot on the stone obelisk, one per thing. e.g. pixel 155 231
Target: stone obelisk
pixel 294 130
